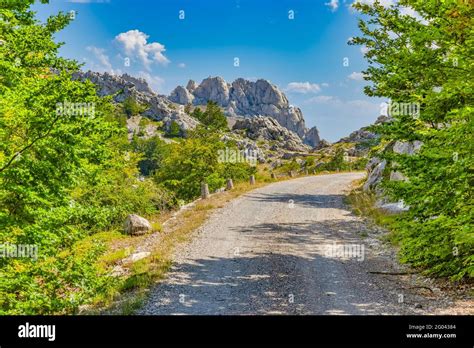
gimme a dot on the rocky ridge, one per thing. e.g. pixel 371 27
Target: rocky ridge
pixel 258 110
pixel 158 107
pixel 248 99
pixel 267 128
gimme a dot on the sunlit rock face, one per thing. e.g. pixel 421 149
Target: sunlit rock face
pixel 248 99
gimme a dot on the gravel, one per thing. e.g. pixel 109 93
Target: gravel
pixel 267 252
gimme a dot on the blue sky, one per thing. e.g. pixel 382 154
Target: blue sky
pixel 299 45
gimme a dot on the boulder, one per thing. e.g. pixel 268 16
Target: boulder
pixel 136 225
pixel 392 207
pixel 375 169
pixel 407 147
pixel 136 257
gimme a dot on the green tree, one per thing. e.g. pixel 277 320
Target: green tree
pixel 154 151
pixel 131 107
pixel 65 173
pixel 212 118
pixel 174 130
pixel 189 163
pixel 195 160
pixel 428 60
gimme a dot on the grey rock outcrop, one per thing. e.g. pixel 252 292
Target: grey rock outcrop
pixel 191 86
pixel 392 207
pixel 212 88
pixel 181 95
pixel 361 135
pixel 323 143
pixel 375 168
pixel 140 84
pixel 407 147
pixel 364 134
pixel 263 98
pixel 158 107
pixel 311 137
pixel 267 128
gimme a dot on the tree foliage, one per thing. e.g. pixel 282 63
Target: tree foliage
pixel 65 170
pixel 212 118
pixel 196 160
pixel 427 59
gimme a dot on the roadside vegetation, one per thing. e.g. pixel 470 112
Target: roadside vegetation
pixel 427 61
pixel 69 177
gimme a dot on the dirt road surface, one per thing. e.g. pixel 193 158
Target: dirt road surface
pixel 291 247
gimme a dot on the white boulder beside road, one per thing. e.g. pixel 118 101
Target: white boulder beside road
pixel 136 225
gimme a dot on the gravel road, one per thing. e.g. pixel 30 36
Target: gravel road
pixel 272 251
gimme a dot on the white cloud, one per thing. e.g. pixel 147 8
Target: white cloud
pixel 135 44
pixel 333 4
pixel 99 54
pixel 155 82
pixel 303 87
pixel 356 76
pixel 364 49
pixel 408 11
pixel 181 65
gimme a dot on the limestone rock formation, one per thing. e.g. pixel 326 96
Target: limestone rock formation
pixel 181 96
pixel 267 128
pixel 364 134
pixel 406 147
pixel 191 86
pixel 212 88
pixel 249 99
pixel 122 87
pixel 311 137
pixel 375 168
pixel 323 143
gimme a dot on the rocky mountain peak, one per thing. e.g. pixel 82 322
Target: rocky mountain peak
pixel 244 98
pixel 181 95
pixel 267 128
pixel 191 86
pixel 158 107
pixel 212 88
